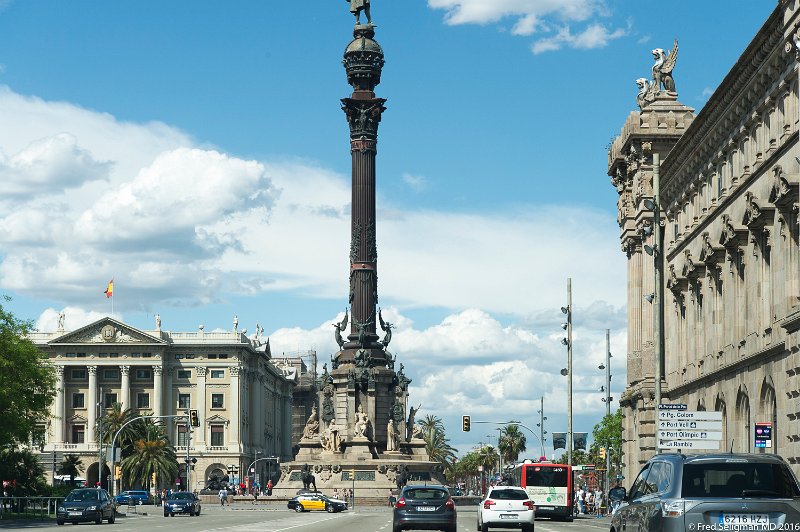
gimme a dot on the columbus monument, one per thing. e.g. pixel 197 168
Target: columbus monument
pixel 362 432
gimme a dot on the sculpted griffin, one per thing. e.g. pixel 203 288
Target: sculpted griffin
pixel 662 76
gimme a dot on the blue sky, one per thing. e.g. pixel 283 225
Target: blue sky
pixel 196 152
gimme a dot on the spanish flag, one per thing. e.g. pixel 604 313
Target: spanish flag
pixel 109 289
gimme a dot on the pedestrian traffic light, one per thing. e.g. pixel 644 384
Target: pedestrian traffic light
pixel 602 453
pixel 195 421
pixel 465 423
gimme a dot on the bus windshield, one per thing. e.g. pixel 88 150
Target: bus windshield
pixel 545 476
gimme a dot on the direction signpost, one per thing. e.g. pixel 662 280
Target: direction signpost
pixel 680 428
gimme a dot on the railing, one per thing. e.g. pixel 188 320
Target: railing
pixel 28 507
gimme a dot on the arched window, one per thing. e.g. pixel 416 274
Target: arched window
pixel 743 425
pixel 719 406
pixel 767 410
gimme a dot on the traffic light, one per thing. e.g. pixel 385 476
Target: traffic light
pixel 465 423
pixel 602 453
pixel 195 421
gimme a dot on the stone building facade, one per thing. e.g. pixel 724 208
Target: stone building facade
pixel 243 400
pixel 729 180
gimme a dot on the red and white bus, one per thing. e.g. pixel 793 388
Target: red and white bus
pixel 549 486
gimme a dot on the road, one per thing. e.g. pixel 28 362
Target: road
pixel 240 518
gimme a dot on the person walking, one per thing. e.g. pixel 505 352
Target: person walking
pixel 223 495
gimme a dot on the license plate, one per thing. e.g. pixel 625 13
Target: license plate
pixel 546 507
pixel 76 513
pixel 743 519
pixel 426 508
pixel 508 516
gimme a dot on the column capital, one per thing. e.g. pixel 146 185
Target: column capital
pixel 92 370
pixel 60 372
pixel 201 371
pixel 125 370
pixel 235 371
pixel 158 370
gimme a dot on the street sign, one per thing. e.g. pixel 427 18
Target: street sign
pixel 667 406
pixel 707 445
pixel 665 424
pixel 763 434
pixel 689 435
pixel 689 415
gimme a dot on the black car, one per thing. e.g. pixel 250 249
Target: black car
pixel 426 508
pixel 181 502
pixel 86 504
pixel 675 492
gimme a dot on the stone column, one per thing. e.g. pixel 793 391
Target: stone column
pixel 199 436
pixel 233 409
pixel 171 406
pixel 58 420
pixel 158 391
pixel 125 390
pixel 92 404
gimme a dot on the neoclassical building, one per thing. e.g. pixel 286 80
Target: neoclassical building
pixel 243 400
pixel 728 195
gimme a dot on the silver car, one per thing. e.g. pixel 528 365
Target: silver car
pixel 675 492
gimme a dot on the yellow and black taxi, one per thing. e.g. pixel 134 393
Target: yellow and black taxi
pixel 86 504
pixel 316 501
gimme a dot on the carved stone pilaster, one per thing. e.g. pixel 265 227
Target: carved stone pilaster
pixel 201 371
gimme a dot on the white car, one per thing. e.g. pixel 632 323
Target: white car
pixel 506 507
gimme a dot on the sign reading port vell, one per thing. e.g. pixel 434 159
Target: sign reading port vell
pixel 679 428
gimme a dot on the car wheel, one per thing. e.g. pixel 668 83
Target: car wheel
pixel 397 528
pixel 166 514
pixel 112 518
pixel 527 528
pixel 298 508
pixel 197 512
pixel 484 527
pixel 191 513
pixel 329 508
pixel 171 514
pixel 99 519
pixel 59 522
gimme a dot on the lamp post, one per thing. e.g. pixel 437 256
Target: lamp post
pixel 114 440
pixel 99 408
pixel 658 295
pixel 568 370
pixel 542 419
pixel 607 400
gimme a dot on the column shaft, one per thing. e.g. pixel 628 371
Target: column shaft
pixel 199 436
pixel 91 405
pixel 59 422
pixel 125 389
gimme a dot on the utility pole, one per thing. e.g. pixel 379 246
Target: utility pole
pixel 99 407
pixel 188 442
pixel 542 419
pixel 659 291
pixel 569 371
pixel 607 400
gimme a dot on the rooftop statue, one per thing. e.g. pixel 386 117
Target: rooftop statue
pixel 662 77
pixel 357 6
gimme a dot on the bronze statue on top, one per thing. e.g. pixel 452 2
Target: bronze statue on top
pixel 357 6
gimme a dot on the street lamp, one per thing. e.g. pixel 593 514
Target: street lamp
pixel 567 372
pixel 658 296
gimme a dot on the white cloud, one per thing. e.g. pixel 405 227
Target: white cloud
pixel 417 183
pixel 487 11
pixel 594 36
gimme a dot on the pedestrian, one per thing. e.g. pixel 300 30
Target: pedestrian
pixel 223 495
pixel 335 493
pixel 158 497
pixel 598 503
pixel 581 501
pixel 391 498
pixel 255 496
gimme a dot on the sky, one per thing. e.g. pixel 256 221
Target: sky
pixel 196 153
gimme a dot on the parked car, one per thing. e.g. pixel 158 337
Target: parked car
pixel 136 496
pixel 316 501
pixel 182 502
pixel 677 492
pixel 506 507
pixel 86 504
pixel 424 507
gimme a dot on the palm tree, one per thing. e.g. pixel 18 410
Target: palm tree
pixel 437 445
pixel 151 455
pixel 113 420
pixel 512 443
pixel 72 466
pixel 488 457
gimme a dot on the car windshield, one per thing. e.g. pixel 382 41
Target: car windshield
pixel 738 479
pixel 83 496
pixel 181 496
pixel 508 495
pixel 425 494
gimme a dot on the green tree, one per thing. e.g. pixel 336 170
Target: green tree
pixel 22 467
pixel 488 458
pixel 114 419
pixel 437 445
pixel 28 381
pixel 72 465
pixel 512 443
pixel 151 455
